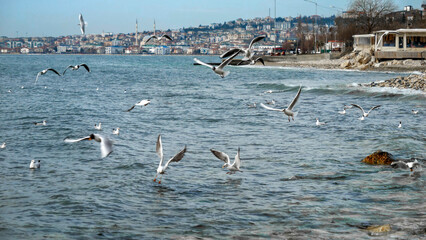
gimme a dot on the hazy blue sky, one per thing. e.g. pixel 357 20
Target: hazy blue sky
pixel 60 17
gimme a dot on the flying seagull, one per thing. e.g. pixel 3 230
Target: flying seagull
pixel 219 70
pixel 248 54
pixel 414 111
pixel 253 61
pixel 235 166
pixel 159 38
pixel 44 72
pixel 289 110
pixel 364 114
pixel 142 103
pixel 82 24
pixel 76 67
pixel 105 143
pixel 159 149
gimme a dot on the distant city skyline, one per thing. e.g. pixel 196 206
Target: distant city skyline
pixel 20 18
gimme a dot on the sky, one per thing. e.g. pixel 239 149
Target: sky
pixel 37 18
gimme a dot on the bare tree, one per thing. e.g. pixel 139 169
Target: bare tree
pixel 370 12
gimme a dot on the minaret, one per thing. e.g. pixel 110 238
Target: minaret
pixel 154 28
pixel 136 35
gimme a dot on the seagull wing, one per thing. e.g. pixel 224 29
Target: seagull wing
pixel 255 40
pixel 237 161
pixel 53 70
pixel 221 155
pixel 130 109
pixel 67 140
pixel 70 66
pixel 106 146
pixel 166 36
pixel 85 66
pixel 38 74
pixel 227 61
pixel 259 59
pixel 159 147
pixel 229 53
pixel 269 108
pixel 290 107
pixel 177 157
pixel 373 108
pixel 358 106
pixel 151 37
pixel 203 63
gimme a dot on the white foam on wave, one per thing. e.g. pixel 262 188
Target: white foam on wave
pixel 390 90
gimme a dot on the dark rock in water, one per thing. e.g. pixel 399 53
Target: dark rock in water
pixel 379 158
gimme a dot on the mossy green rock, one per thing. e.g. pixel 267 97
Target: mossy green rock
pixel 379 158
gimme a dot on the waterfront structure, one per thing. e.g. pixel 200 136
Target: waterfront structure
pixel 400 44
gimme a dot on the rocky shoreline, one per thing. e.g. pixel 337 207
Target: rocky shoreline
pixel 413 81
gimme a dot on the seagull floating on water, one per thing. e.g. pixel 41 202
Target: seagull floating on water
pixel 344 109
pixel 44 72
pixel 289 110
pixel 98 127
pixel 413 166
pixel 272 102
pixel 3 145
pixel 105 143
pixel 365 114
pixel 116 131
pixel 318 123
pixel 142 103
pixel 219 70
pixel 252 105
pixel 248 54
pixel 400 125
pixel 235 166
pixel 415 111
pixel 76 67
pixel 41 124
pixel 34 164
pixel 159 149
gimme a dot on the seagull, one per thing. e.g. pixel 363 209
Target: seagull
pixel 142 103
pixel 415 111
pixel 116 131
pixel 318 123
pixel 248 54
pixel 289 110
pixel 219 70
pixel 235 166
pixel 414 165
pixel 159 38
pixel 41 124
pixel 106 144
pixel 44 72
pixel 364 114
pixel 3 145
pixel 159 149
pixel 98 127
pixel 34 164
pixel 254 61
pixel 344 109
pixel 270 102
pixel 82 24
pixel 269 91
pixel 22 87
pixel 9 91
pixel 252 105
pixel 400 125
pixel 76 67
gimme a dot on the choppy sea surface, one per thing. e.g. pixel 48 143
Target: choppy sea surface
pixel 299 180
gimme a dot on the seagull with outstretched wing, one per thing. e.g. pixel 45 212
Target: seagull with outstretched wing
pixel 235 166
pixel 44 72
pixel 289 110
pixel 105 143
pixel 219 70
pixel 162 169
